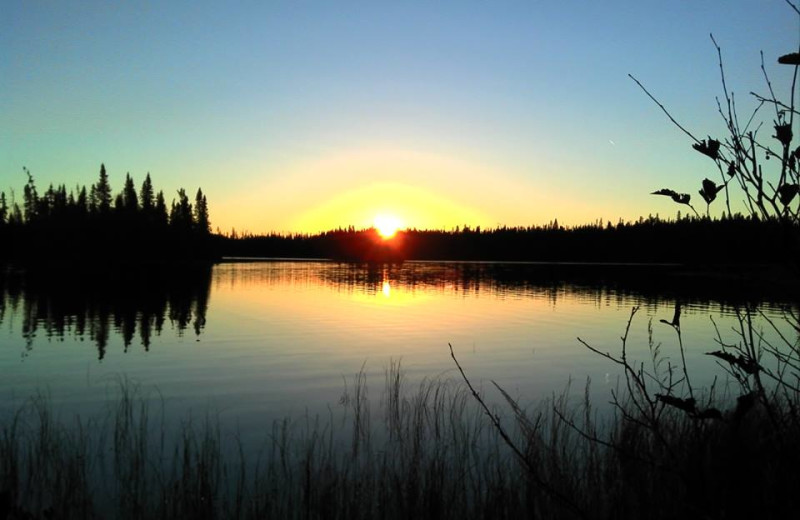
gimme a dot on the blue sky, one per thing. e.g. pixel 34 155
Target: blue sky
pixel 305 115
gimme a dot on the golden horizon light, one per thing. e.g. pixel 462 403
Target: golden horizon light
pixel 387 225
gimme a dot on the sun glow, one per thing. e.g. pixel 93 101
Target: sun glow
pixel 387 225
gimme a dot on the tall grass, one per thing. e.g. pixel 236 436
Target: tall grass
pixel 427 450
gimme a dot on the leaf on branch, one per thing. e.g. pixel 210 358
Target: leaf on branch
pixel 746 365
pixel 708 147
pixel 787 193
pixel 790 59
pixel 710 190
pixel 725 356
pixel 783 133
pixel 680 198
pixel 687 405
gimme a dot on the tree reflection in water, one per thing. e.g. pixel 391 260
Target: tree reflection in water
pixel 91 305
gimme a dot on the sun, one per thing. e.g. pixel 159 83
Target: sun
pixel 387 225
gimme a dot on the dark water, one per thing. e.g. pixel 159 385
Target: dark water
pixel 252 342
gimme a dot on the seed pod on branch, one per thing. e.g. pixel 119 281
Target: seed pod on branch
pixel 783 133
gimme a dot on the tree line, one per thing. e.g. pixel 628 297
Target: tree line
pixel 94 223
pixel 685 240
pixel 99 202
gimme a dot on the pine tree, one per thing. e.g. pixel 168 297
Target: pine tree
pixel 180 216
pixel 93 199
pixel 102 191
pixel 146 196
pixel 30 197
pixel 3 208
pixel 119 203
pixel 201 213
pixel 16 213
pixel 161 209
pixel 130 201
pixel 82 203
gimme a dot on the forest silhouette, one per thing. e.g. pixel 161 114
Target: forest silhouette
pixel 693 241
pixel 93 226
pixel 97 229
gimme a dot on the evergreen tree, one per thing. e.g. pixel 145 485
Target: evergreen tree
pixel 130 201
pixel 46 203
pixel 30 197
pixel 201 213
pixel 82 203
pixel 102 192
pixel 61 199
pixel 146 196
pixel 16 214
pixel 3 208
pixel 180 216
pixel 161 209
pixel 93 199
pixel 119 203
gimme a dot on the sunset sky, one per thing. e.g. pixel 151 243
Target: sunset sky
pixel 303 116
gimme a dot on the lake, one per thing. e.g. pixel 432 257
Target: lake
pixel 251 342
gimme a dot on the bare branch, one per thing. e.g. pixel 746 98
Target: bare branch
pixel 685 131
pixel 532 470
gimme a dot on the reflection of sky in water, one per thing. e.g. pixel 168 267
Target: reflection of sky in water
pixel 278 338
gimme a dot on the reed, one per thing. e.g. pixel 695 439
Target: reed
pixel 428 450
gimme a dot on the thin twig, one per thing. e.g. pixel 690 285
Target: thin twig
pixel 500 430
pixel 663 108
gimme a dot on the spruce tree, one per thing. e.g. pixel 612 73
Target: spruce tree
pixel 161 209
pixel 180 216
pixel 130 201
pixel 30 197
pixel 82 203
pixel 201 213
pixel 3 208
pixel 146 196
pixel 93 208
pixel 119 203
pixel 103 192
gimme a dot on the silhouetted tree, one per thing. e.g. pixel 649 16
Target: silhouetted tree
pixel 161 209
pixel 180 216
pixel 130 200
pixel 30 197
pixel 201 213
pixel 119 203
pixel 146 196
pixel 3 208
pixel 93 199
pixel 15 217
pixel 101 192
pixel 82 203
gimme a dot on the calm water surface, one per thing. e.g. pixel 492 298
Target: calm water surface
pixel 252 342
